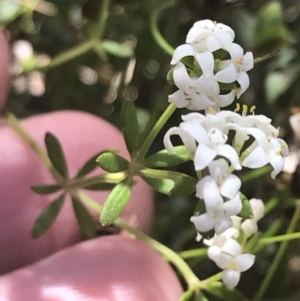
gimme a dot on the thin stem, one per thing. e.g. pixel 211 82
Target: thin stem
pixel 13 122
pixel 161 41
pixel 213 278
pixel 271 272
pixel 199 253
pixel 157 127
pixel 265 57
pixel 189 276
pixel 279 238
pixel 254 174
pixel 85 47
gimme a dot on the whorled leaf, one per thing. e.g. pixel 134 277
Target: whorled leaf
pixel 116 202
pixel 222 291
pixel 100 186
pixel 164 186
pixel 85 220
pixel 90 165
pixel 162 158
pixel 130 127
pixel 112 162
pixel 184 186
pixel 46 189
pixel 47 217
pixel 56 155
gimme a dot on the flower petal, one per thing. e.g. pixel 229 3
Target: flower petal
pixel 203 156
pixel 230 186
pixel 245 262
pixel 234 206
pixel 203 222
pixel 178 99
pixel 200 102
pixel 181 78
pixel 277 163
pixel 231 278
pixel 218 168
pixel 181 52
pixel 256 159
pixel 236 51
pixel 228 75
pixel 228 152
pixel 213 252
pixel 244 82
pixel 226 99
pixel 206 62
pixel 232 247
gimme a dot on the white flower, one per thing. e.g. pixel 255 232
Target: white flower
pixel 207 132
pixel 191 93
pixel 219 184
pixel 233 262
pixel 236 68
pixel 218 219
pixel 207 35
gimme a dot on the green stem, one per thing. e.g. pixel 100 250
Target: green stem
pixel 13 123
pixel 265 57
pixel 157 127
pixel 85 47
pixel 254 174
pixel 199 253
pixel 161 41
pixel 271 272
pixel 213 278
pixel 279 238
pixel 192 280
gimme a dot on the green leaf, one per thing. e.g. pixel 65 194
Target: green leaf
pixel 179 155
pixel 116 202
pixel 56 155
pixel 111 162
pixel 222 291
pixel 116 49
pixel 47 217
pixel 85 220
pixel 246 211
pixel 252 243
pixel 8 11
pixel 46 189
pixel 184 186
pixel 90 165
pixel 164 186
pixel 130 127
pixel 100 186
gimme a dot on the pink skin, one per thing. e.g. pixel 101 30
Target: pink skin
pixel 110 268
pixel 82 135
pixel 4 69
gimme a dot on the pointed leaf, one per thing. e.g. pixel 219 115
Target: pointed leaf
pixel 90 164
pixel 111 162
pixel 47 217
pixel 85 220
pixel 100 186
pixel 164 186
pixel 46 189
pixel 130 127
pixel 116 49
pixel 116 202
pixel 179 155
pixel 222 291
pixel 246 211
pixel 56 155
pixel 184 186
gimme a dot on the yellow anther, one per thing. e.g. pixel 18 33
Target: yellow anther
pixel 278 153
pixel 239 61
pixel 237 107
pixel 211 110
pixel 283 145
pixel 245 109
pixel 252 109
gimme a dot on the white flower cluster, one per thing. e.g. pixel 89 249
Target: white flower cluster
pixel 221 142
pixel 203 83
pixel 225 250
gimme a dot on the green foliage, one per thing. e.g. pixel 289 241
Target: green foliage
pixel 184 186
pixel 164 186
pixel 47 217
pixel 116 202
pixel 170 77
pixel 46 189
pixel 100 186
pixel 130 127
pixel 56 155
pixel 8 10
pixel 179 155
pixel 112 162
pixel 85 220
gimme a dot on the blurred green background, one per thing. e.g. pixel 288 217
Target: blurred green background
pixel 135 68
